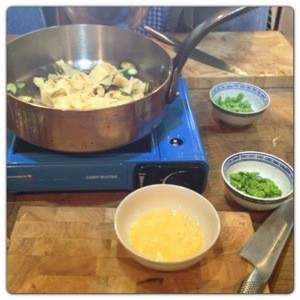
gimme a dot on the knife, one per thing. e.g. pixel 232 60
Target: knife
pixel 264 248
pixel 196 54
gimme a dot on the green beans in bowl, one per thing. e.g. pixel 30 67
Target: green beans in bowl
pixel 237 103
pixel 257 180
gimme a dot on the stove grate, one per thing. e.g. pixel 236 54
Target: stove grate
pixel 141 146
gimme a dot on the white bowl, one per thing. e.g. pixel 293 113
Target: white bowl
pixel 258 98
pixel 167 196
pixel 268 166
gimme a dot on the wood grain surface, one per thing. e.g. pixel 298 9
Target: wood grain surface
pixel 75 250
pixel 266 57
pixel 274 133
pixel 269 59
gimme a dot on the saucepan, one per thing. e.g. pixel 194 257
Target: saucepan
pixel 83 46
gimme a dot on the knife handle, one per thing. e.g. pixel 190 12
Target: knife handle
pixel 252 284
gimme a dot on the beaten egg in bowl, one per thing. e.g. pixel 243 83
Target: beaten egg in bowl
pixel 166 227
pixel 157 235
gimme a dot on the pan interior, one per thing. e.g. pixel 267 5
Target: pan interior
pixel 82 46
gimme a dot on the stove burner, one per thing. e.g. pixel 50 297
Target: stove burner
pixel 141 146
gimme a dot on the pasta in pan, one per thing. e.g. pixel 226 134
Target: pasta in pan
pixel 104 86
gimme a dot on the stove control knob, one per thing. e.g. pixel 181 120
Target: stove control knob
pixel 179 178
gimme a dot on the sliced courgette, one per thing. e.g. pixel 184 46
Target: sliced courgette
pixel 132 71
pixel 25 98
pixel 59 70
pixel 149 87
pixel 20 85
pixel 128 69
pixel 127 65
pixel 12 88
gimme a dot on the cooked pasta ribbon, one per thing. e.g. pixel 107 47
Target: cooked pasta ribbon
pixel 105 86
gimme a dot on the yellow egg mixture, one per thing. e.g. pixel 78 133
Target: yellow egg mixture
pixel 166 235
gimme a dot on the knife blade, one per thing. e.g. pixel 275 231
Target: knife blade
pixel 196 54
pixel 265 247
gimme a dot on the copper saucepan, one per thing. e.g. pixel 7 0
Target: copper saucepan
pixel 34 54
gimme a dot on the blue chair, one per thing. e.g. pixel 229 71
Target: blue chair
pixel 24 19
pixel 254 20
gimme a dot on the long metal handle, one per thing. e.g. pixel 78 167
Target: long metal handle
pixel 252 284
pixel 160 36
pixel 194 38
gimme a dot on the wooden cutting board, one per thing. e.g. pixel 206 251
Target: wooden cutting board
pixel 75 250
pixel 266 57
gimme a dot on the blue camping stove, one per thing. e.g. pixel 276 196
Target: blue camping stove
pixel 173 153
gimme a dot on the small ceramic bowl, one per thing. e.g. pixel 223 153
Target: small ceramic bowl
pixel 268 166
pixel 167 196
pixel 257 97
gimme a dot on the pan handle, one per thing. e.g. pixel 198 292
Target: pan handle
pixel 194 38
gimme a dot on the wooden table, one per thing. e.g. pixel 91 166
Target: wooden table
pixel 32 253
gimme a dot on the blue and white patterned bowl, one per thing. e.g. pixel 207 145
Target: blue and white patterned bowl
pixel 258 98
pixel 268 166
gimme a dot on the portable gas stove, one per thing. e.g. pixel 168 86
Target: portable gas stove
pixel 172 154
